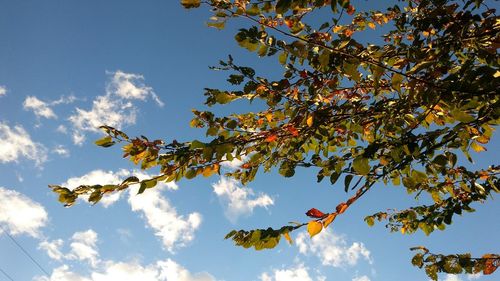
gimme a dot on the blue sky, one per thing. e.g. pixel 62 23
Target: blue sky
pixel 66 66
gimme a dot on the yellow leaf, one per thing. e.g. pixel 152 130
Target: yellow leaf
pixel 269 117
pixel 314 227
pixel 482 139
pixel 310 120
pixel 287 237
pixel 208 171
pixel 477 148
pixel 329 220
pixel 403 230
pixel 371 25
pixel 497 74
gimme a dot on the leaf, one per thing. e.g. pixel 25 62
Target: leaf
pixel 490 266
pixel 271 138
pixel 310 120
pixel 315 213
pixel 188 4
pixel 314 227
pixel 333 6
pixel 105 142
pixel 347 182
pixel 329 219
pixel 462 116
pixel 361 166
pixel 396 81
pixel 288 238
pixel 476 147
pixel 282 6
pixel 370 220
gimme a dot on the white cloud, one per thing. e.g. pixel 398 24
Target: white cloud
pixel 53 248
pixel 164 270
pixel 115 108
pixel 16 143
pixel 21 215
pixel 474 276
pixel 61 150
pixel 239 200
pixel 331 249
pixel 40 108
pixel 174 230
pixel 297 273
pixel 3 90
pixel 84 248
pixel 361 278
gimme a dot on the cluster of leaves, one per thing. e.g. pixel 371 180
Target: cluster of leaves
pixel 454 264
pixel 402 112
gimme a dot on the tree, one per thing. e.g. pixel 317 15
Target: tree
pixel 402 112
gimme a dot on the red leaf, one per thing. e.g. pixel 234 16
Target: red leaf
pixel 271 138
pixel 293 131
pixel 350 10
pixel 315 213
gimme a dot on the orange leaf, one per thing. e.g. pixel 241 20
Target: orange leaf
pixel 271 138
pixel 287 237
pixel 293 131
pixel 490 265
pixel 329 220
pixel 341 208
pixel 371 25
pixel 348 32
pixel 350 10
pixel 477 148
pixel 310 120
pixel 315 213
pixel 314 227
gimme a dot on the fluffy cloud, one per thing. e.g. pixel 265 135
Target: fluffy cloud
pixel 173 229
pixel 16 143
pixel 331 249
pixel 21 215
pixel 53 248
pixel 239 200
pixel 115 108
pixel 3 90
pixel 297 273
pixel 40 108
pixel 61 150
pixel 361 278
pixel 43 109
pixel 165 270
pixel 474 276
pixel 83 247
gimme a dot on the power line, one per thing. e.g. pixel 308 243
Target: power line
pixel 26 252
pixel 6 275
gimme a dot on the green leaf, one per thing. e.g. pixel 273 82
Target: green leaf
pixel 282 6
pixel 347 182
pixel 333 6
pixel 334 177
pixel 361 166
pixel 396 81
pixel 105 142
pixel 462 116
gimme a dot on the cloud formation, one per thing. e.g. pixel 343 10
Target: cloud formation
pixel 115 108
pixel 83 248
pixel 239 201
pixel 3 90
pixel 40 108
pixel 331 249
pixel 61 150
pixel 16 143
pixel 361 278
pixel 297 273
pixel 174 230
pixel 21 215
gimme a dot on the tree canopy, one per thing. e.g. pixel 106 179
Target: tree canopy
pixel 405 111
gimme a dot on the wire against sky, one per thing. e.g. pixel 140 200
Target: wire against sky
pixel 25 252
